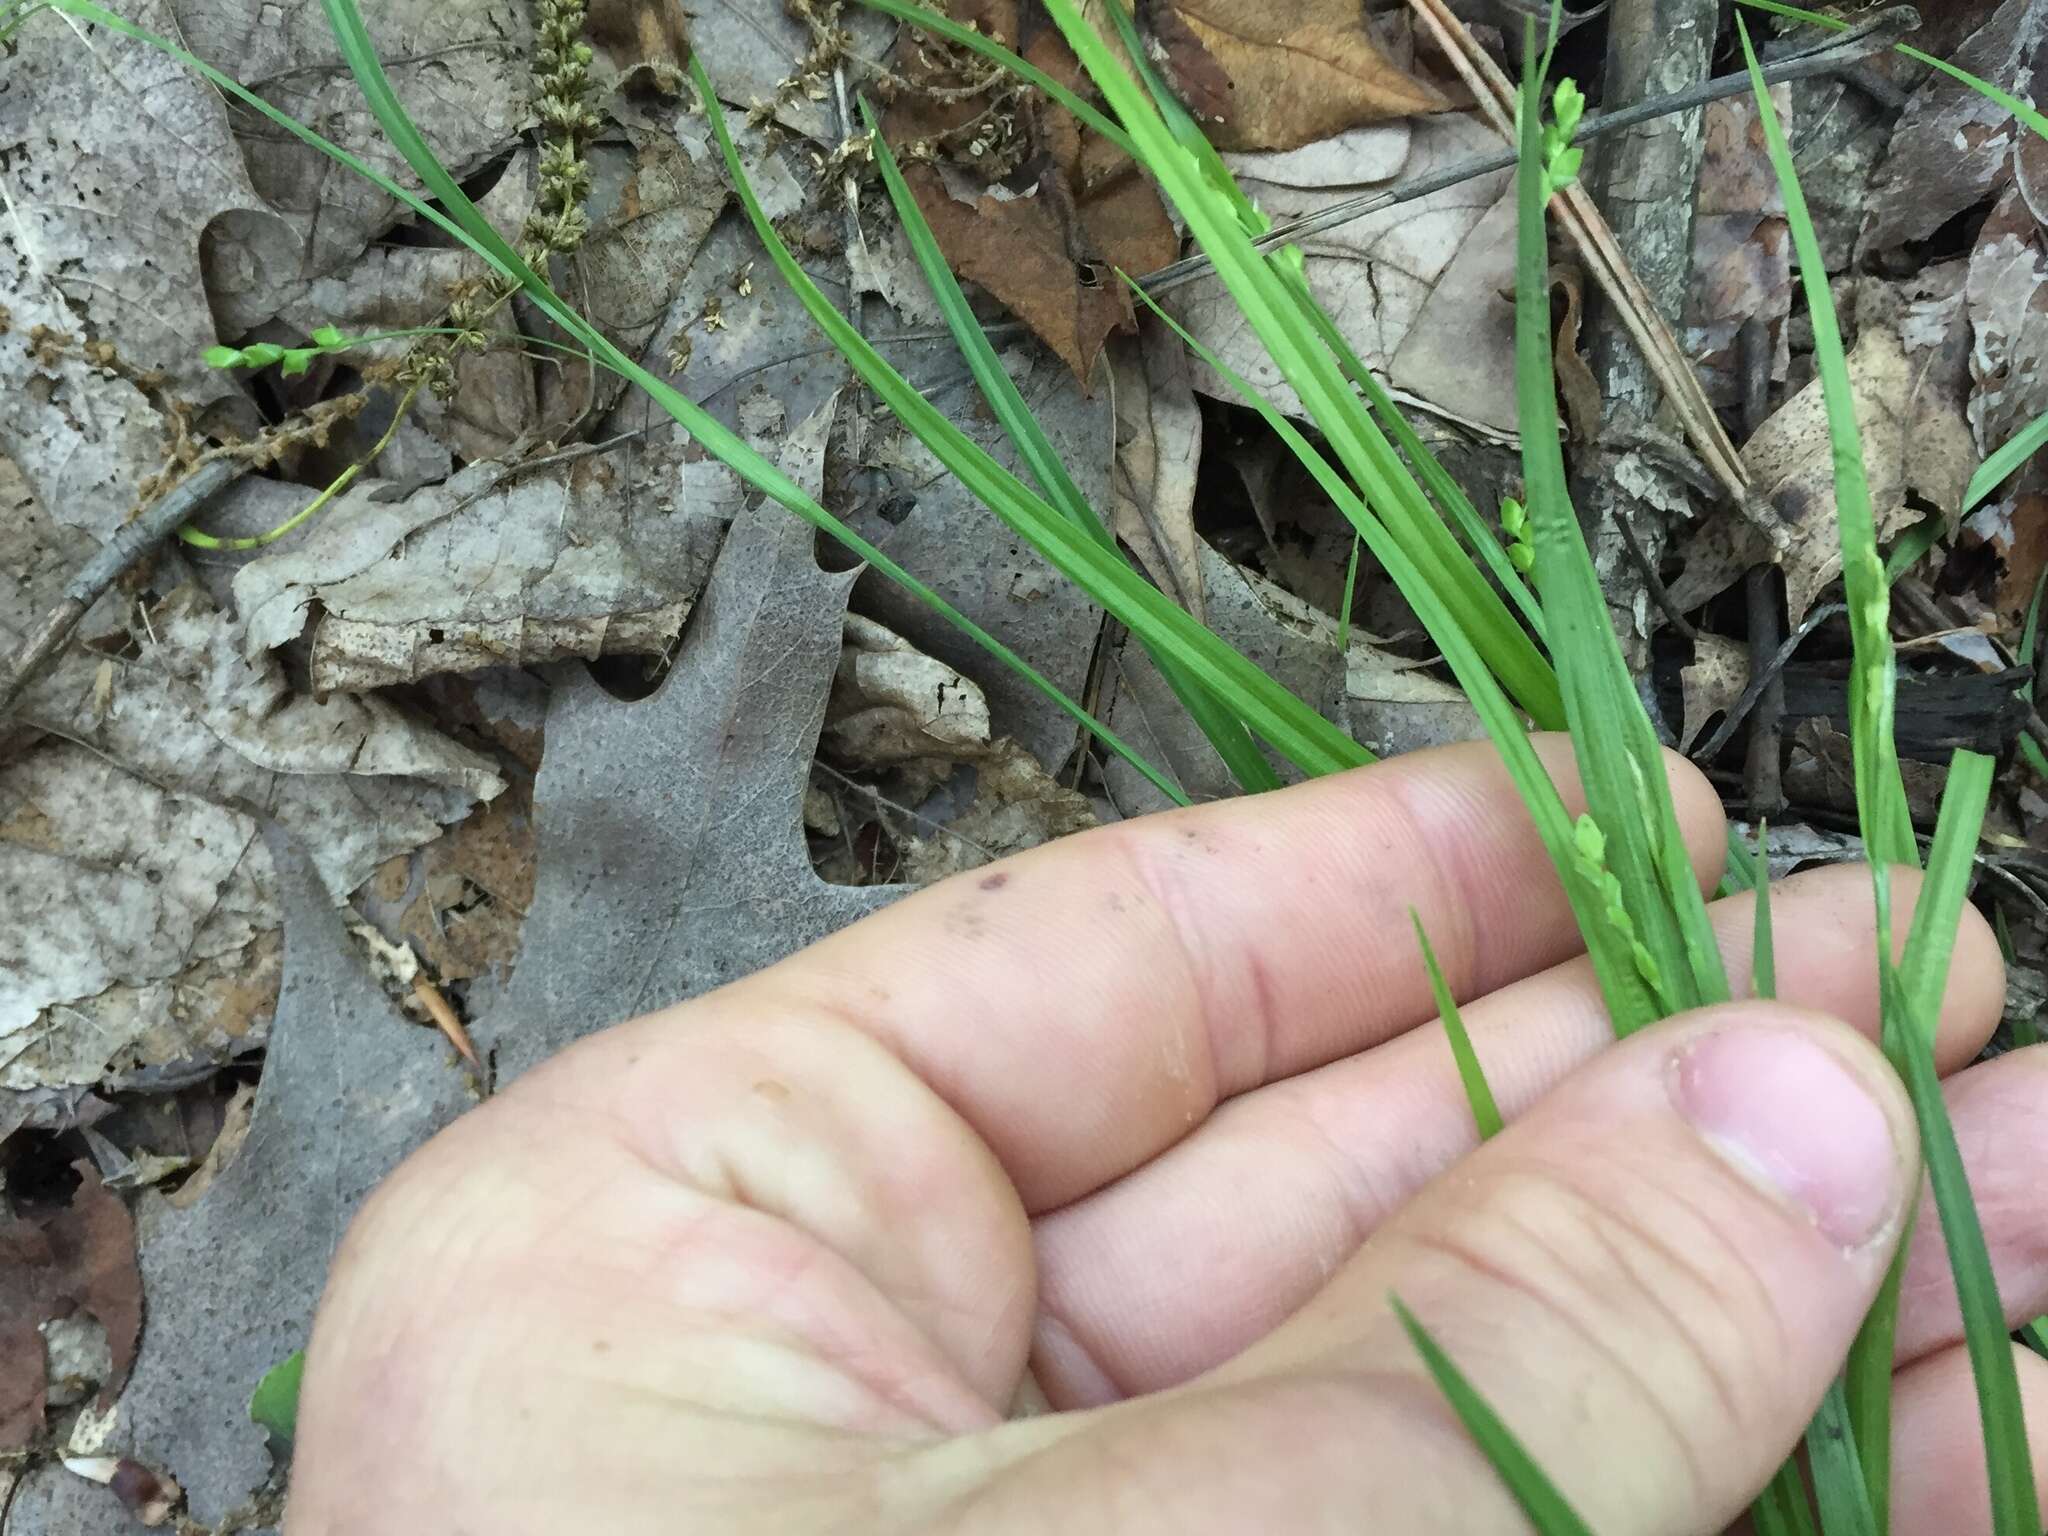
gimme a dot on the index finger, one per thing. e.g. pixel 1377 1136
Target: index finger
pixel 1086 1004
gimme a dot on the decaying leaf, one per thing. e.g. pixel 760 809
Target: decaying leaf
pixel 72 1260
pixel 1576 388
pixel 1710 684
pixel 2007 300
pixel 1017 805
pixel 463 73
pixel 894 706
pixel 140 895
pixel 87 115
pixel 1049 253
pixel 1423 291
pixel 1158 452
pixel 601 553
pixel 1953 147
pixel 1791 464
pixel 1278 76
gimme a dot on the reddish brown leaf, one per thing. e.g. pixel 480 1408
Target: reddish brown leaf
pixel 54 1263
pixel 1071 209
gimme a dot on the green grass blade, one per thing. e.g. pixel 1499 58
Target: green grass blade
pixel 2015 1505
pixel 1839 1486
pixel 2035 1336
pixel 1620 982
pixel 1910 547
pixel 1923 970
pixel 1295 730
pixel 1548 1510
pixel 275 1402
pixel 1360 446
pixel 1763 954
pixel 1226 733
pixel 1782 1508
pixel 1350 595
pixel 2009 456
pixel 1887 824
pixel 1478 1093
pixel 1620 760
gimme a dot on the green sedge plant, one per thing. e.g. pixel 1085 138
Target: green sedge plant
pixel 1623 865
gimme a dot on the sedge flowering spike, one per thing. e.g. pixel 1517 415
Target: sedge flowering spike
pixel 290 360
pixel 1561 157
pixel 1590 846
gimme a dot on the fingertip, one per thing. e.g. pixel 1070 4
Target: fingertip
pixel 1939 1487
pixel 1702 819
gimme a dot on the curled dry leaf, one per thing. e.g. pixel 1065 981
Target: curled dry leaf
pixel 894 706
pixel 601 553
pixel 1791 465
pixel 74 1259
pixel 1710 684
pixel 1423 292
pixel 1278 76
pixel 1158 454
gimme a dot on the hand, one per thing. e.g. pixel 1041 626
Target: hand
pixel 1151 1122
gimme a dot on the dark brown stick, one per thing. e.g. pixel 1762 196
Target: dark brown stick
pixel 1763 759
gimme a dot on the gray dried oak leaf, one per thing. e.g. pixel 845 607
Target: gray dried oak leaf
pixel 669 831
pixel 349 1088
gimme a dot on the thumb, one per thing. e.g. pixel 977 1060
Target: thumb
pixel 1651 1277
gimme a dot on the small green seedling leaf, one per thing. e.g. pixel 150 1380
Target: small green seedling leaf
pixel 1548 1510
pixel 275 1402
pixel 223 357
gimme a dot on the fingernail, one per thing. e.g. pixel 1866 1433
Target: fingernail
pixel 1789 1116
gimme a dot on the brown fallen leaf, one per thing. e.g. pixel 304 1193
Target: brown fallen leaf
pixel 1575 381
pixel 1158 450
pixel 1742 248
pixel 1791 467
pixel 56 1262
pixel 1279 75
pixel 1711 684
pixel 1050 253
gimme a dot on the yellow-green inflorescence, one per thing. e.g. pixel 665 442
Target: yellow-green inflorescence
pixel 1590 846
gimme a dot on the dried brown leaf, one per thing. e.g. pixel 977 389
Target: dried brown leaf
pixel 78 1257
pixel 1292 72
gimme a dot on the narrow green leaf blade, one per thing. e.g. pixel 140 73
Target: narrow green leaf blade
pixel 1839 1486
pixel 1478 1093
pixel 1548 1510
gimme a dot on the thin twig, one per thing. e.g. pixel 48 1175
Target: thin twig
pixel 125 549
pixel 1652 582
pixel 1759 681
